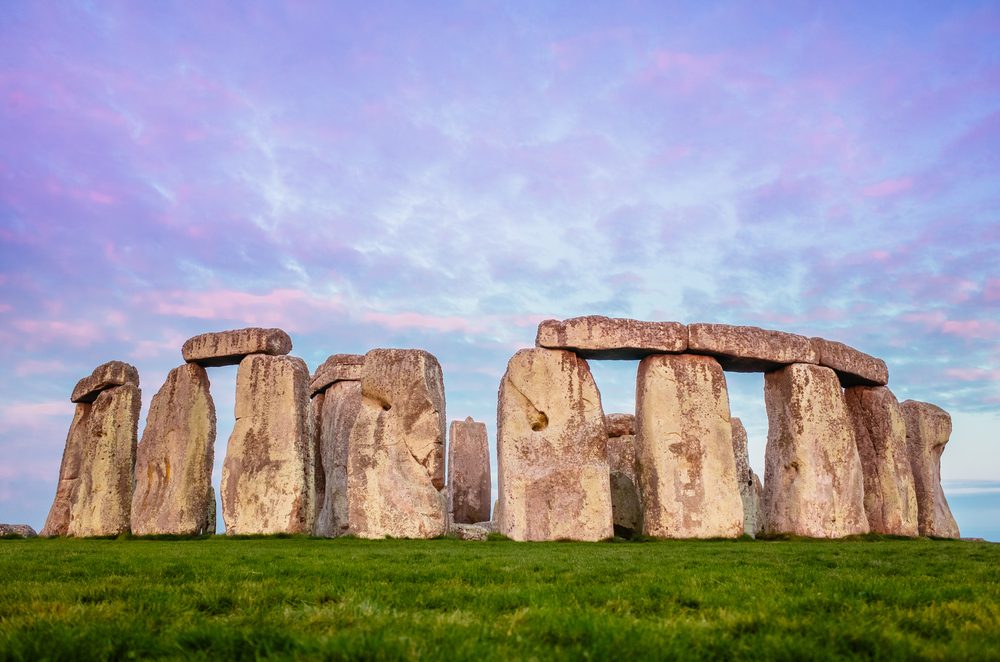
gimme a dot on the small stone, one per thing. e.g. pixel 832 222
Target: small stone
pixel 468 472
pixel 105 376
pixel 22 530
pixel 469 532
pixel 854 368
pixel 597 337
pixel 339 405
pixel 749 348
pixel 626 505
pixel 337 368
pixel 750 485
pixel 620 425
pixel 231 347
pixel 928 430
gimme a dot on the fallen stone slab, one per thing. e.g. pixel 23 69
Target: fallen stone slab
pixel 468 472
pixel 853 367
pixel 598 337
pixel 749 348
pixel 338 408
pixel 337 368
pixel 469 532
pixel 231 347
pixel 626 505
pixel 751 490
pixel 105 376
pixel 928 430
pixel 22 530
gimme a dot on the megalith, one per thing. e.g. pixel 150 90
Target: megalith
pixel 231 347
pixel 395 463
pixel 468 472
pixel 267 476
pixel 552 458
pixel 749 483
pixel 94 493
pixel 687 471
pixel 813 482
pixel 928 429
pixel 173 468
pixel 880 433
pixel 626 507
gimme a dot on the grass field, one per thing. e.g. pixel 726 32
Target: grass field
pixel 445 599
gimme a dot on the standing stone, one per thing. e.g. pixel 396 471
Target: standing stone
pixel 395 466
pixel 684 440
pixel 626 506
pixel 173 470
pixel 73 462
pixel 339 406
pixel 750 487
pixel 267 476
pixel 880 433
pixel 813 482
pixel 928 429
pixel 552 450
pixel 468 472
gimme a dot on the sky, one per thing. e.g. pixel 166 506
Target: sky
pixel 444 175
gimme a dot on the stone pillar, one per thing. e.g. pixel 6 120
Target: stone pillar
pixel 880 433
pixel 813 483
pixel 395 465
pixel 750 487
pixel 173 470
pixel 339 407
pixel 551 450
pixel 626 506
pixel 468 472
pixel 267 476
pixel 684 440
pixel 928 429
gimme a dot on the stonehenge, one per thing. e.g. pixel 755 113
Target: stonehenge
pixel 359 447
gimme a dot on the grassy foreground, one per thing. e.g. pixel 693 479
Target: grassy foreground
pixel 445 599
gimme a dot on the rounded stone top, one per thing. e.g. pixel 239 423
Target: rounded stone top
pixel 230 347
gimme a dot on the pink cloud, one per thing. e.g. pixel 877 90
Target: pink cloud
pixel 78 334
pixel 992 290
pixel 972 374
pixel 967 329
pixel 440 324
pixel 293 310
pixel 34 415
pixel 888 187
pixel 32 367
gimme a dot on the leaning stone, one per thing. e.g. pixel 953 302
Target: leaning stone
pixel 339 405
pixel 687 474
pixel 231 347
pixel 173 468
pixel 22 530
pixel 928 429
pixel 337 368
pixel 626 506
pixel 468 472
pixel 750 486
pixel 880 433
pixel 748 348
pixel 597 337
pixel 813 482
pixel 105 376
pixel 395 467
pixel 267 476
pixel 552 450
pixel 74 461
pixel 854 368
pixel 469 532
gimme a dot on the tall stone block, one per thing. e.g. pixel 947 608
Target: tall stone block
pixel 684 440
pixel 751 490
pixel 395 466
pixel 813 482
pixel 880 433
pixel 626 506
pixel 928 429
pixel 173 469
pixel 552 450
pixel 267 476
pixel 74 461
pixel 468 472
pixel 339 405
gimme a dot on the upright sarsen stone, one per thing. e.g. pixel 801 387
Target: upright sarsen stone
pixel 173 470
pixel 267 476
pixel 684 440
pixel 751 490
pixel 813 482
pixel 395 466
pixel 468 472
pixel 626 506
pixel 880 433
pixel 552 450
pixel 928 429
pixel 339 405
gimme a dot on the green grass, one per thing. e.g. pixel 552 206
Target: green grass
pixel 445 599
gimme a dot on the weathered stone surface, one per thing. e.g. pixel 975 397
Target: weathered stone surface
pixel 337 368
pixel 626 506
pixel 231 347
pixel 469 532
pixel 813 483
pixel 339 406
pixel 267 476
pixel 880 433
pixel 853 367
pixel 750 486
pixel 94 495
pixel 22 530
pixel 748 348
pixel 105 376
pixel 928 429
pixel 687 477
pixel 598 337
pixel 489 526
pixel 395 467
pixel 173 468
pixel 552 450
pixel 468 472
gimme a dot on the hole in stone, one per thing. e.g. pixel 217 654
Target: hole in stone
pixel 540 423
pixel 386 406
